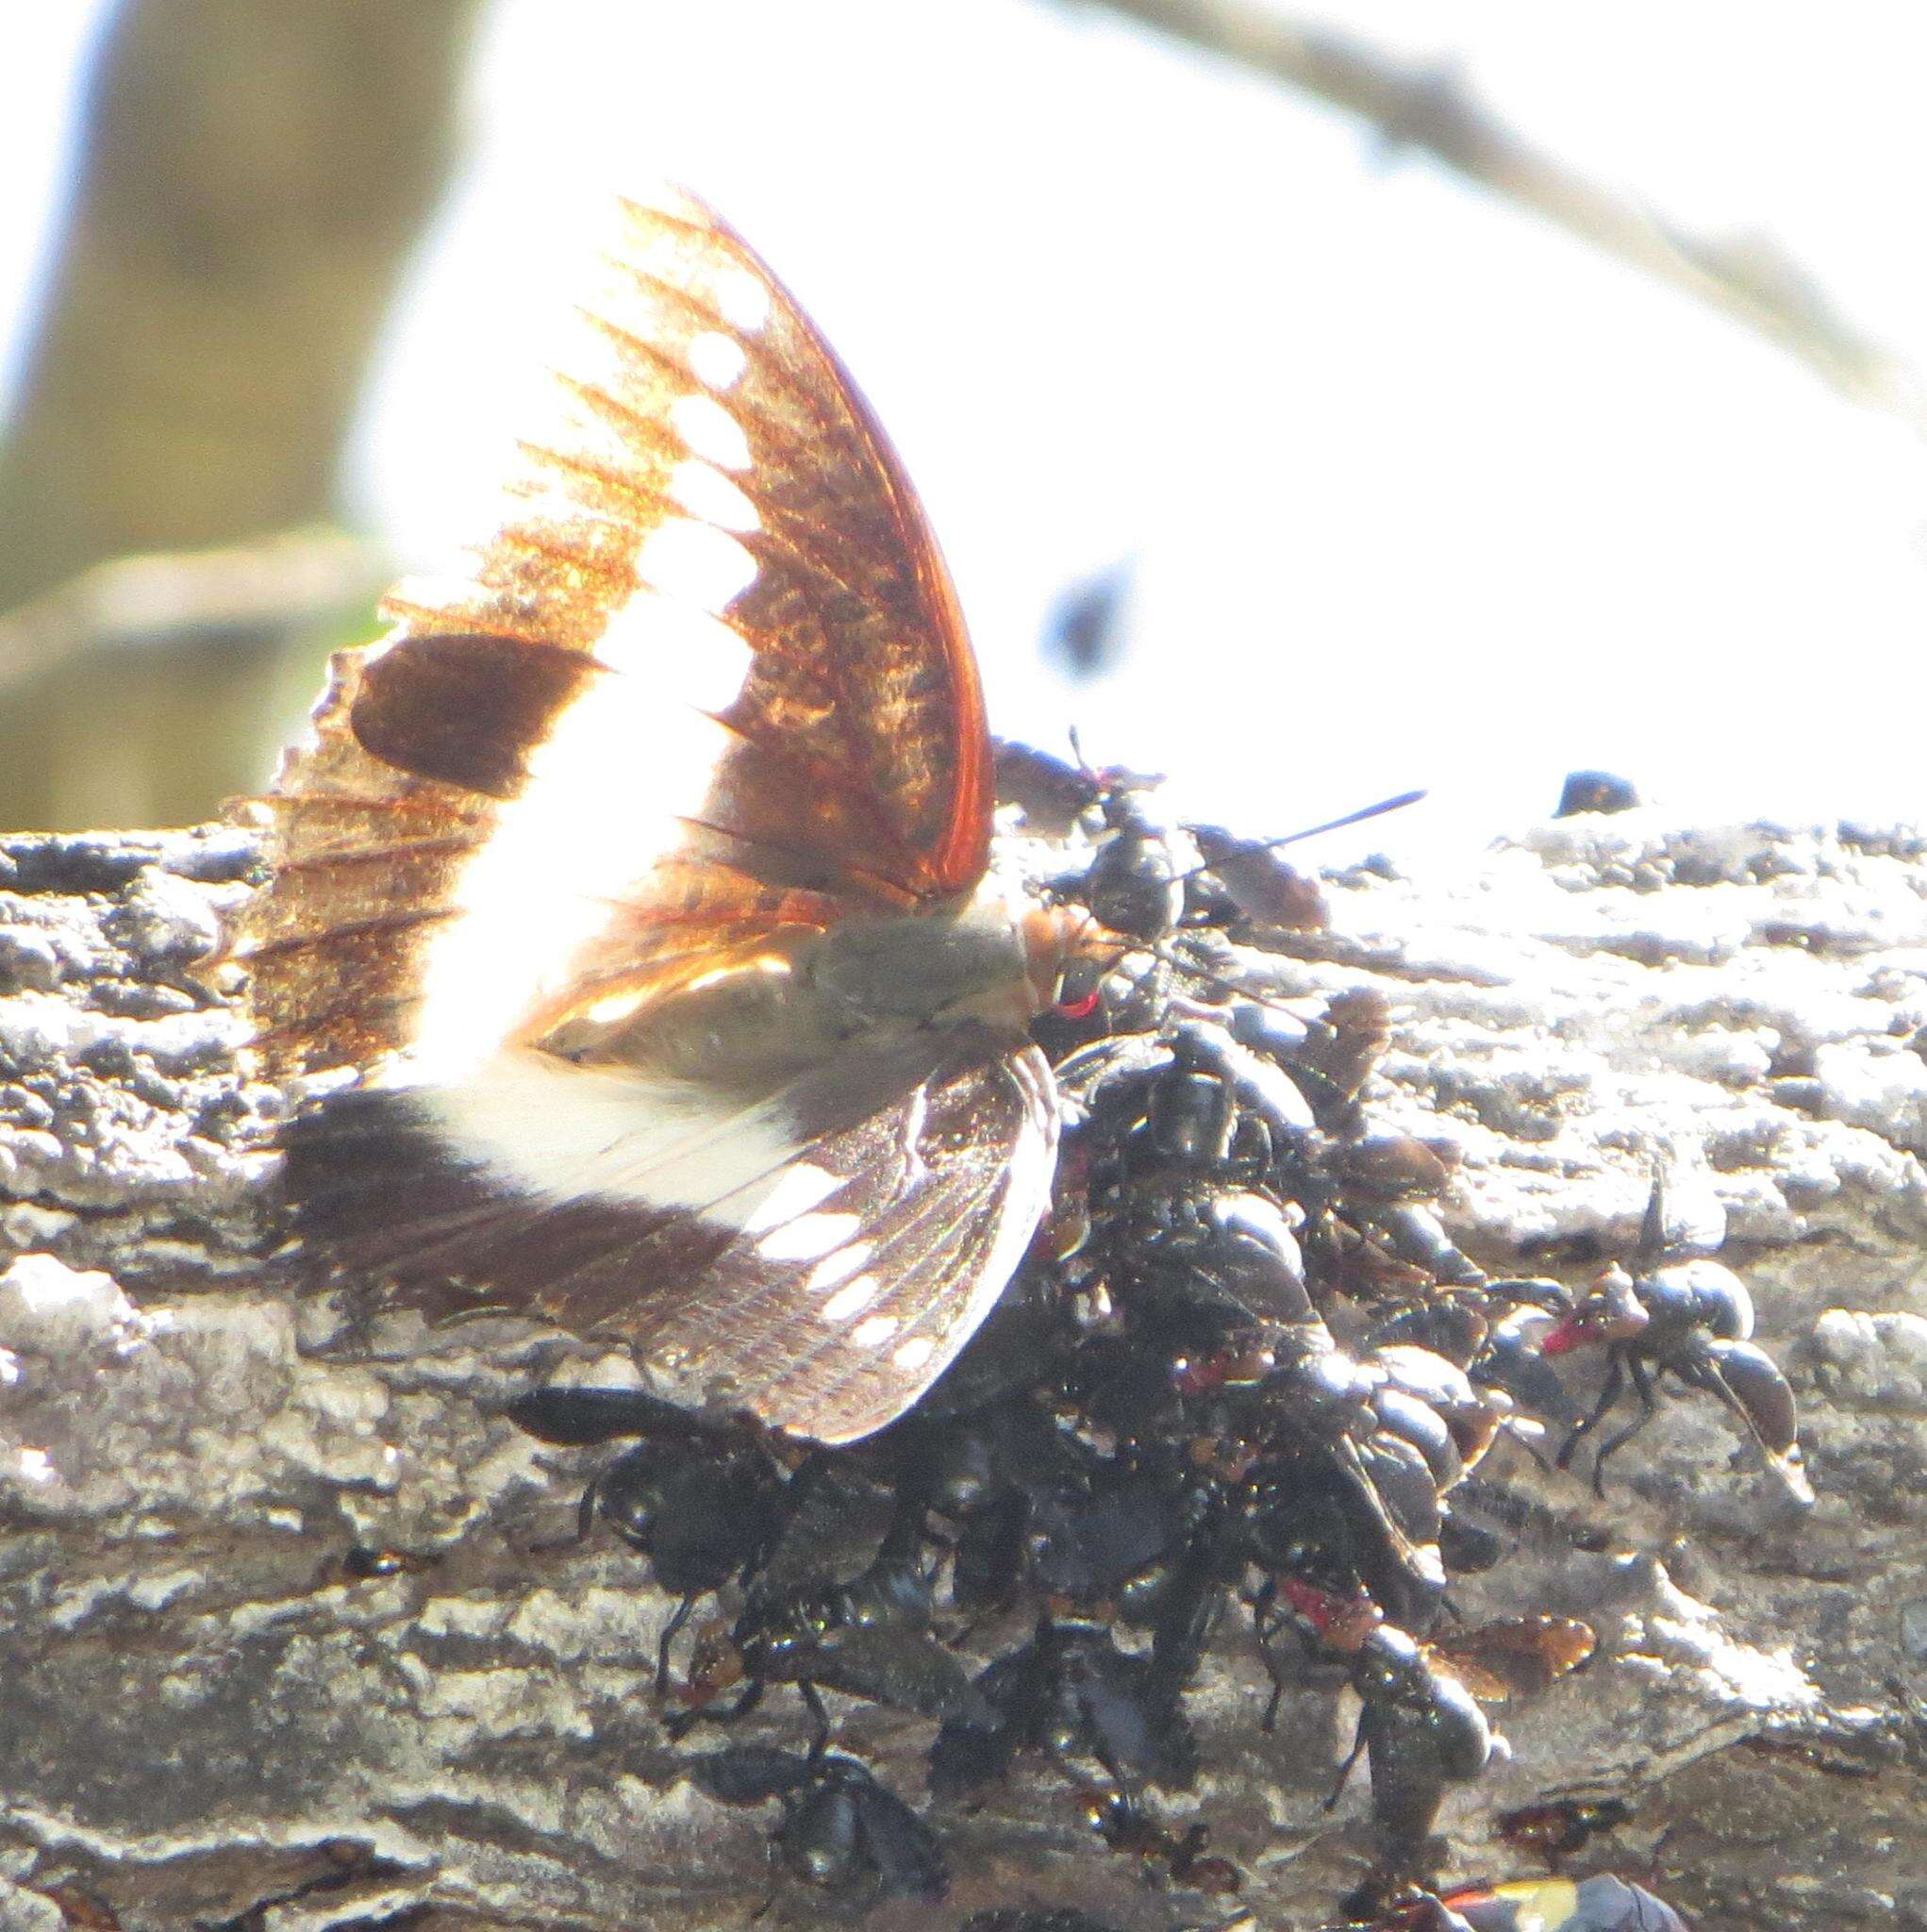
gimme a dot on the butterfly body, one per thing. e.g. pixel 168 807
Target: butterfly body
pixel 641 875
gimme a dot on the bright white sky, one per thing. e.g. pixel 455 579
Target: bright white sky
pixel 1419 491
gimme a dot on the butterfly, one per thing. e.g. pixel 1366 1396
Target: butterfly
pixel 641 871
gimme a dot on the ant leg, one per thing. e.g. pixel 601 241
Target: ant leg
pixel 1642 1382
pixel 1608 1395
pixel 684 1722
pixel 1352 1757
pixel 1749 1382
pixel 585 1510
pixel 1265 1629
pixel 1649 1407
pixel 1261 1603
pixel 1613 1445
pixel 819 1720
pixel 1268 1723
pixel 585 1521
pixel 1530 1448
pixel 1751 1386
pixel 678 1617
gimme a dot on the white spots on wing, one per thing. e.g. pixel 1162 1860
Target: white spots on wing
pixel 685 654
pixel 625 765
pixel 569 1132
pixel 625 752
pixel 711 431
pixel 807 1238
pixel 852 1300
pixel 872 1333
pixel 838 1267
pixel 796 1190
pixel 695 563
pixel 743 298
pixel 717 359
pixel 914 1354
pixel 706 672
pixel 709 496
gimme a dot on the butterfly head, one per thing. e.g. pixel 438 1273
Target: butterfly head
pixel 1067 958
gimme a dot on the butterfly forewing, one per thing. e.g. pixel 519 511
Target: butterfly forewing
pixel 712 612
pixel 702 696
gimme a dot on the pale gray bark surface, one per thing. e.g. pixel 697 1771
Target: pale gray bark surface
pixel 206 1723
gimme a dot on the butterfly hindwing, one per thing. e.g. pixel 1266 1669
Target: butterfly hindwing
pixel 947 1188
pixel 823 1295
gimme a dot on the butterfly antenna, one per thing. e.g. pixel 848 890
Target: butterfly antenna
pixel 1191 969
pixel 1351 818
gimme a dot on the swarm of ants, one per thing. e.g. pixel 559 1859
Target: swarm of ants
pixel 1244 1372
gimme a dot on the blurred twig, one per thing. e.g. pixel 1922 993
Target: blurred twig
pixel 253 175
pixel 251 179
pixel 281 583
pixel 153 686
pixel 1418 105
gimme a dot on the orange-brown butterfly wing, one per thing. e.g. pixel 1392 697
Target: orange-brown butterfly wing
pixel 712 637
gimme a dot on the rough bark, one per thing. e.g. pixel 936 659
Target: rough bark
pixel 209 1722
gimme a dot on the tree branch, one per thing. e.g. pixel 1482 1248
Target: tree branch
pixel 1417 105
pixel 208 1712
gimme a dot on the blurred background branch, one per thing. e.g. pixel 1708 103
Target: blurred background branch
pixel 251 181
pixel 1425 105
pixel 1377 416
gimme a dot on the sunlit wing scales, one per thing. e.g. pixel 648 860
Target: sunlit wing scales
pixel 642 873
